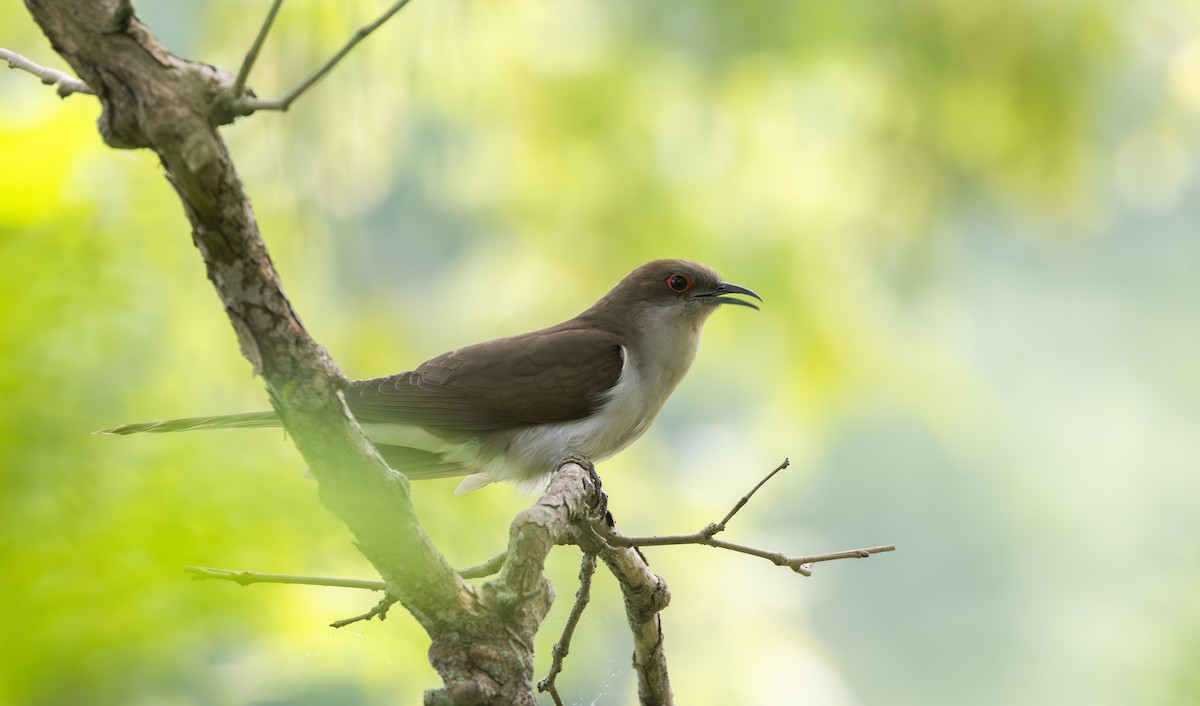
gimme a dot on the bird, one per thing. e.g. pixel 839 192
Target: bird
pixel 512 409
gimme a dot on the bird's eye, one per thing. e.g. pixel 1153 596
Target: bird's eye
pixel 679 283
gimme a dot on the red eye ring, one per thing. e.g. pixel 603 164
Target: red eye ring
pixel 679 283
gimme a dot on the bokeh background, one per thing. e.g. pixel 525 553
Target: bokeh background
pixel 975 228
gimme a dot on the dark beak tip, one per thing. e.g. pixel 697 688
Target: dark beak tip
pixel 726 288
pixel 740 302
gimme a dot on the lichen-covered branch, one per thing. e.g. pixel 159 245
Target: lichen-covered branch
pixel 646 595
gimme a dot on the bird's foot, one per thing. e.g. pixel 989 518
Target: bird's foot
pixel 600 510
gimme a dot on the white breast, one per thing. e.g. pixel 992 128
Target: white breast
pixel 628 410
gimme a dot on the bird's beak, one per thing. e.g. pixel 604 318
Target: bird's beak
pixel 719 295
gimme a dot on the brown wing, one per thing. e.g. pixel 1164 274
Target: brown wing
pixel 553 375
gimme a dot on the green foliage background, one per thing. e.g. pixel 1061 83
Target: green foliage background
pixel 974 225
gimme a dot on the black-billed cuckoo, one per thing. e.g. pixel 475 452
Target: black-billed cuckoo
pixel 514 408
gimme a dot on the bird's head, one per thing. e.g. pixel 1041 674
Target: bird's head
pixel 674 288
pixel 681 283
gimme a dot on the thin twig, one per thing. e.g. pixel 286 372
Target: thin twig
pixel 239 83
pixel 380 609
pixel 720 526
pixel 245 578
pixel 487 568
pixel 245 105
pixel 706 537
pixel 799 564
pixel 562 648
pixel 67 84
pixel 848 554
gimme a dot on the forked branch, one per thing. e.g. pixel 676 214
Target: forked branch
pixel 706 537
pixel 560 516
pixel 241 104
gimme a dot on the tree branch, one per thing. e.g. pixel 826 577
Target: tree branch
pixel 799 564
pixel 587 568
pixel 741 503
pixel 534 532
pixel 239 83
pixel 241 104
pixel 646 595
pixel 487 568
pixel 153 99
pixel 705 537
pixel 245 578
pixel 380 609
pixel 67 84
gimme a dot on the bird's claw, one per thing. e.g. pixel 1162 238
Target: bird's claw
pixel 600 509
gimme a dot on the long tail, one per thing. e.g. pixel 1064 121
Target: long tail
pixel 246 420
